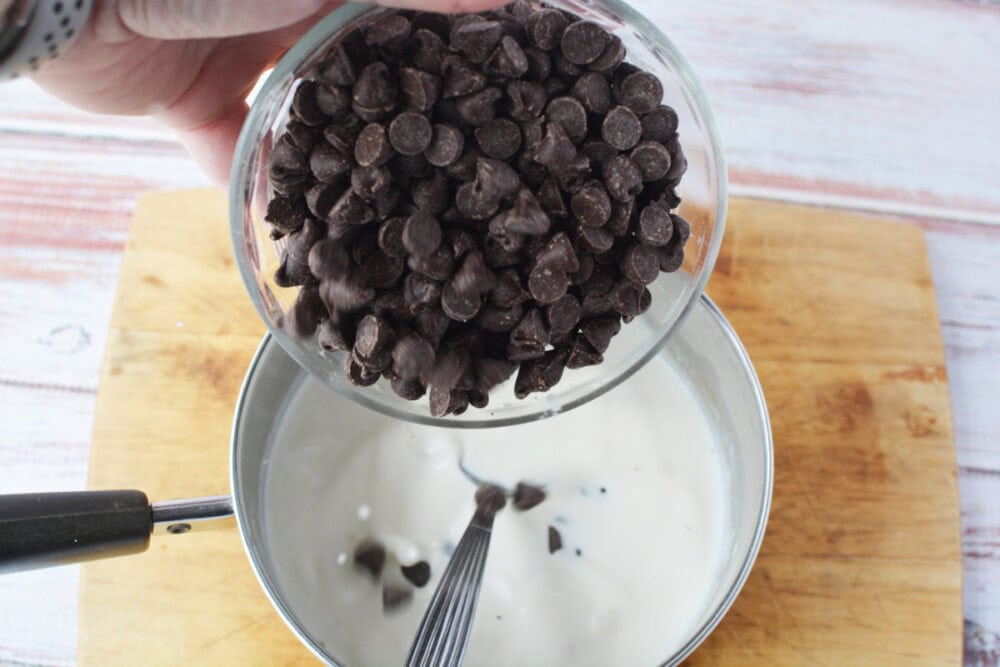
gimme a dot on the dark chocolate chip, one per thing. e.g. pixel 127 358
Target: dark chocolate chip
pixel 322 197
pixel 428 51
pixel 394 596
pixel 540 375
pixel 370 556
pixel 410 133
pixel 653 160
pixel 287 165
pixel 367 181
pixel 499 320
pixel 419 89
pixel 565 71
pixel 678 163
pixel 328 259
pixel 508 291
pixel 641 92
pixel 333 101
pixel 545 28
pixel 496 179
pixel 555 148
pixel 582 275
pixel 346 292
pixel 682 229
pixel 491 372
pixel 547 284
pixel 373 336
pixel 439 265
pixel 551 200
pixel 525 99
pixel 342 135
pixel 563 314
pixel 464 168
pixel 389 31
pixel 622 178
pixel 476 40
pixel 558 254
pixel 479 107
pixel 499 138
pixel 555 540
pixel 421 234
pixel 583 42
pixel 420 291
pixel 306 314
pixel 328 164
pixel 382 271
pixel 302 136
pixel 392 306
pixel 350 209
pixel 304 105
pixel 445 401
pixel 598 152
pixel 671 257
pixel 570 113
pixel 595 239
pixel 525 216
pixel 490 499
pixel 527 496
pixel 621 218
pixel 294 269
pixel 529 338
pixel 461 242
pixel 375 90
pixel 432 323
pixel 413 357
pixel 409 390
pixel 433 194
pixel 331 337
pixel 610 58
pixel 474 203
pixel 287 213
pixel 571 175
pixel 390 237
pixel 346 60
pixel 460 77
pixel 599 332
pixel 621 128
pixel 625 297
pixel 408 167
pixel 417 574
pixel 539 64
pixel 655 225
pixel 372 147
pixel 659 124
pixel 473 276
pixel 591 204
pixel 582 354
pixel 593 92
pixel 457 305
pixel 445 147
pixel 508 60
pixel 531 132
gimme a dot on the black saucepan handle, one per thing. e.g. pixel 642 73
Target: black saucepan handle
pixel 44 529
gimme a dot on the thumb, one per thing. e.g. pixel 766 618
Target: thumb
pixel 196 19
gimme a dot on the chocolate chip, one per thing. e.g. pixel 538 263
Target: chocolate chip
pixel 331 338
pixel 390 237
pixel 306 314
pixel 508 291
pixel 409 390
pixel 439 24
pixel 582 355
pixel 555 540
pixel 551 200
pixel 659 124
pixel 564 71
pixel 350 210
pixel 610 58
pixel 328 164
pixel 473 276
pixel 413 357
pixel 417 574
pixel 432 323
pixel 372 337
pixel 593 92
pixel 302 136
pixel 406 168
pixel 622 178
pixel 420 291
pixel 294 269
pixel 678 163
pixel 529 338
pixel 571 176
pixel 460 77
pixel 461 242
pixel 555 148
pixel 457 305
pixel 287 165
pixel 410 133
pixel 499 320
pixel 682 229
pixel 532 173
pixel 346 292
pixel 621 128
pixel 598 152
pixel 367 181
pixel 433 194
pixel 322 197
pixel 421 234
pixel 670 256
pixel 394 596
pixel 531 132
pixel 508 60
pixel 499 138
pixel 476 40
pixel 563 314
pixel 625 297
pixel 547 284
pixel 622 214
pixel 375 92
pixel 594 239
pixel 445 147
pixel 370 556
pixel 372 147
pixel 600 331
pixel 464 168
pixel 342 135
pixel 389 31
pixel 438 265
pixel 525 99
pixel 540 375
pixel 641 92
pixel 559 254
pixel 419 89
pixel 333 101
pixel 473 203
pixel 583 41
pixel 545 28
pixel 345 61
pixel 428 51
pixel 287 213
pixel 582 275
pixel 304 105
pixel 382 271
pixel 444 401
pixel 525 216
pixel 591 205
pixel 479 107
pixel 655 225
pixel 539 64
pixel 327 259
pixel 527 496
pixel 653 160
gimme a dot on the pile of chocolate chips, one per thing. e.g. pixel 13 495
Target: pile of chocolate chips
pixel 463 197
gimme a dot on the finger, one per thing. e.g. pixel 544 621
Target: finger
pixel 195 19
pixel 212 145
pixel 445 6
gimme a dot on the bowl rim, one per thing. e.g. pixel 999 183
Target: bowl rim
pixel 749 375
pixel 353 11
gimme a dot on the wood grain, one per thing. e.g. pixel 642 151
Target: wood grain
pixel 861 564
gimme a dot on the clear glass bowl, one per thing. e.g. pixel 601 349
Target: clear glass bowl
pixel 703 189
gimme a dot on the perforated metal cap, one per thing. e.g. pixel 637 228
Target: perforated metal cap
pixel 36 32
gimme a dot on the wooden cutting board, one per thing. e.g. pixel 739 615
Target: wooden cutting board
pixel 861 564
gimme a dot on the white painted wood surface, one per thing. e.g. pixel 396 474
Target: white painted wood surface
pixel 884 105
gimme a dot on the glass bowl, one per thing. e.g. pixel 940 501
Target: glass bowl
pixel 703 190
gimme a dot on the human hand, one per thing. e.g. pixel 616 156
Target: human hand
pixel 190 63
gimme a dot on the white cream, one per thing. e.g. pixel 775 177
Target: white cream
pixel 635 486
